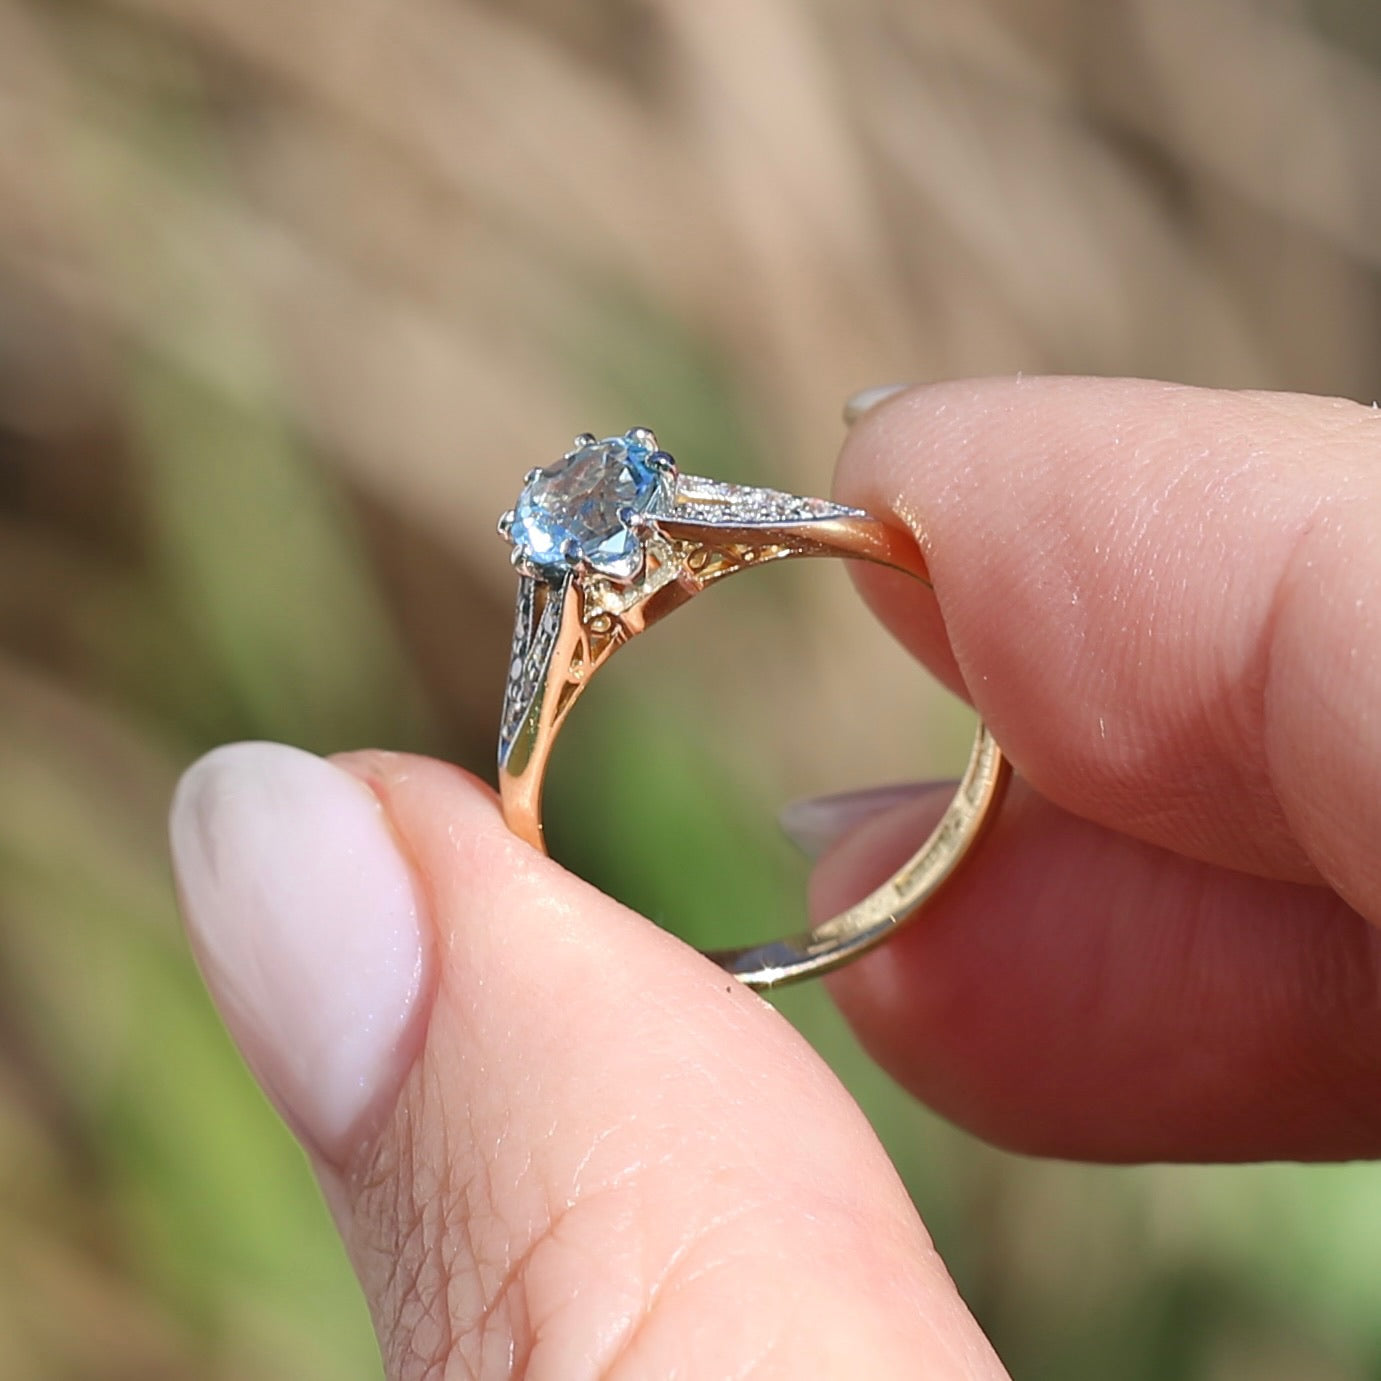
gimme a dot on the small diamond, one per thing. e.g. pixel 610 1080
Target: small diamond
pixel 574 510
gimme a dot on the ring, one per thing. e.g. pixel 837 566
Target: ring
pixel 612 538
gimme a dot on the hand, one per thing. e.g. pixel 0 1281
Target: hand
pixel 558 1142
pixel 1167 605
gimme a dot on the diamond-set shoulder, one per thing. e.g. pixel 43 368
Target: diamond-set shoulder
pixel 720 503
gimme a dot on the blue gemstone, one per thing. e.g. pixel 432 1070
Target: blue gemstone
pixel 579 501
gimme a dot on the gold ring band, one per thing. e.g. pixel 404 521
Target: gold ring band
pixel 675 537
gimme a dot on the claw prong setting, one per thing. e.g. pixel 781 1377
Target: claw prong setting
pixel 593 511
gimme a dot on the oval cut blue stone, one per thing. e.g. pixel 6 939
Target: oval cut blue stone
pixel 579 499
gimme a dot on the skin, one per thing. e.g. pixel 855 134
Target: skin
pixel 607 1160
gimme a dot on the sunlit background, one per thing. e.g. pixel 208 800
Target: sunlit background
pixel 291 295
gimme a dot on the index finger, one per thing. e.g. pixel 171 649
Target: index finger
pixel 1164 600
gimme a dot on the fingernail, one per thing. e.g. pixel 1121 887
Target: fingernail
pixel 869 398
pixel 302 914
pixel 817 822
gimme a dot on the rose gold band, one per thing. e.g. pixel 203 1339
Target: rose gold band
pixel 597 616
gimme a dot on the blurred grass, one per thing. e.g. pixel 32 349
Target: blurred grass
pixel 289 298
pixel 271 594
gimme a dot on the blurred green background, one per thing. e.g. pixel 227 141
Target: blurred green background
pixel 292 294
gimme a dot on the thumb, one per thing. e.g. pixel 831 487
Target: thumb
pixel 556 1141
